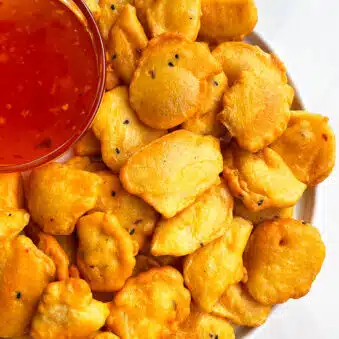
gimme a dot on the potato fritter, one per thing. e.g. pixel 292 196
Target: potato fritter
pixel 150 304
pixel 86 164
pixel 65 195
pixel 24 273
pixel 237 305
pixel 11 191
pixel 94 8
pixel 126 41
pixel 227 19
pixel 106 252
pixel 256 110
pixel 121 139
pixel 200 223
pixel 88 145
pixel 308 147
pixel 170 16
pixel 12 222
pixel 67 310
pixel 169 84
pixel 282 258
pixel 212 268
pixel 260 180
pixel 172 171
pixel 112 79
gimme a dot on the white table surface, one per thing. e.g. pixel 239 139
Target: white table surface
pixel 304 33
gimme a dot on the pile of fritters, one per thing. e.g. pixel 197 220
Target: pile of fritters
pixel 173 219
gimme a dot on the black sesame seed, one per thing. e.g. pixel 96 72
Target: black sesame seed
pixel 131 231
pixel 216 336
pixel 126 122
pixel 177 56
pixel 138 221
pixel 117 151
pixel 325 137
pixel 260 202
pixel 174 304
pixel 215 83
pixel 113 7
pixel 202 244
pixel 113 194
pixel 170 64
pixel 18 295
pixel 9 214
pixel 51 219
pixel 152 74
pixel 114 56
pixel 191 18
pixel 304 222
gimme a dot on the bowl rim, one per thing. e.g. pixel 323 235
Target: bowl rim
pixel 99 47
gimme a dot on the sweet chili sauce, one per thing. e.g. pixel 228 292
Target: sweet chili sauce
pixel 48 78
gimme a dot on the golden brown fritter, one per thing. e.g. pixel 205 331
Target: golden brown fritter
pixel 212 268
pixel 88 145
pixel 119 129
pixel 256 110
pixel 88 164
pixel 237 305
pixel 133 214
pixel 24 273
pixel 227 19
pixel 67 310
pixel 170 16
pixel 308 147
pixel 236 57
pixel 150 304
pixel 126 41
pixel 112 79
pixel 94 8
pixel 65 195
pixel 205 220
pixel 172 171
pixel 169 84
pixel 11 191
pixel 282 258
pixel 260 180
pixel 103 335
pixel 12 222
pixel 106 252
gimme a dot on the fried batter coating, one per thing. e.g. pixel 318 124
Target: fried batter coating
pixel 103 335
pixel 237 305
pixel 227 19
pixel 67 310
pixel 172 171
pixel 144 263
pixel 257 217
pixel 12 222
pixel 94 8
pixel 212 268
pixel 260 180
pixel 133 214
pixel 308 147
pixel 236 57
pixel 112 79
pixel 105 253
pixel 256 110
pixel 201 325
pixel 88 145
pixel 150 304
pixel 169 84
pixel 119 129
pixel 59 195
pixel 126 41
pixel 282 258
pixel 205 220
pixel 110 11
pixel 170 16
pixel 11 191
pixel 86 164
pixel 24 273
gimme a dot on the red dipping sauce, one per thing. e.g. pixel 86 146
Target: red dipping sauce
pixel 51 79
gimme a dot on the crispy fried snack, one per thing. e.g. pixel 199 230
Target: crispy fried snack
pixel 86 164
pixel 11 191
pixel 126 41
pixel 227 19
pixel 201 325
pixel 150 304
pixel 169 84
pixel 51 247
pixel 170 16
pixel 236 57
pixel 237 305
pixel 256 110
pixel 133 214
pixel 105 253
pixel 12 222
pixel 282 258
pixel 119 129
pixel 172 171
pixel 59 195
pixel 112 79
pixel 212 268
pixel 94 8
pixel 260 180
pixel 144 263
pixel 205 220
pixel 88 145
pixel 257 217
pixel 109 14
pixel 103 335
pixel 24 273
pixel 67 310
pixel 308 147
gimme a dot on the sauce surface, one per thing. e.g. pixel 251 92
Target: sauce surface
pixel 48 78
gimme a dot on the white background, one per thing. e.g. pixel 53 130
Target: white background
pixel 304 33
